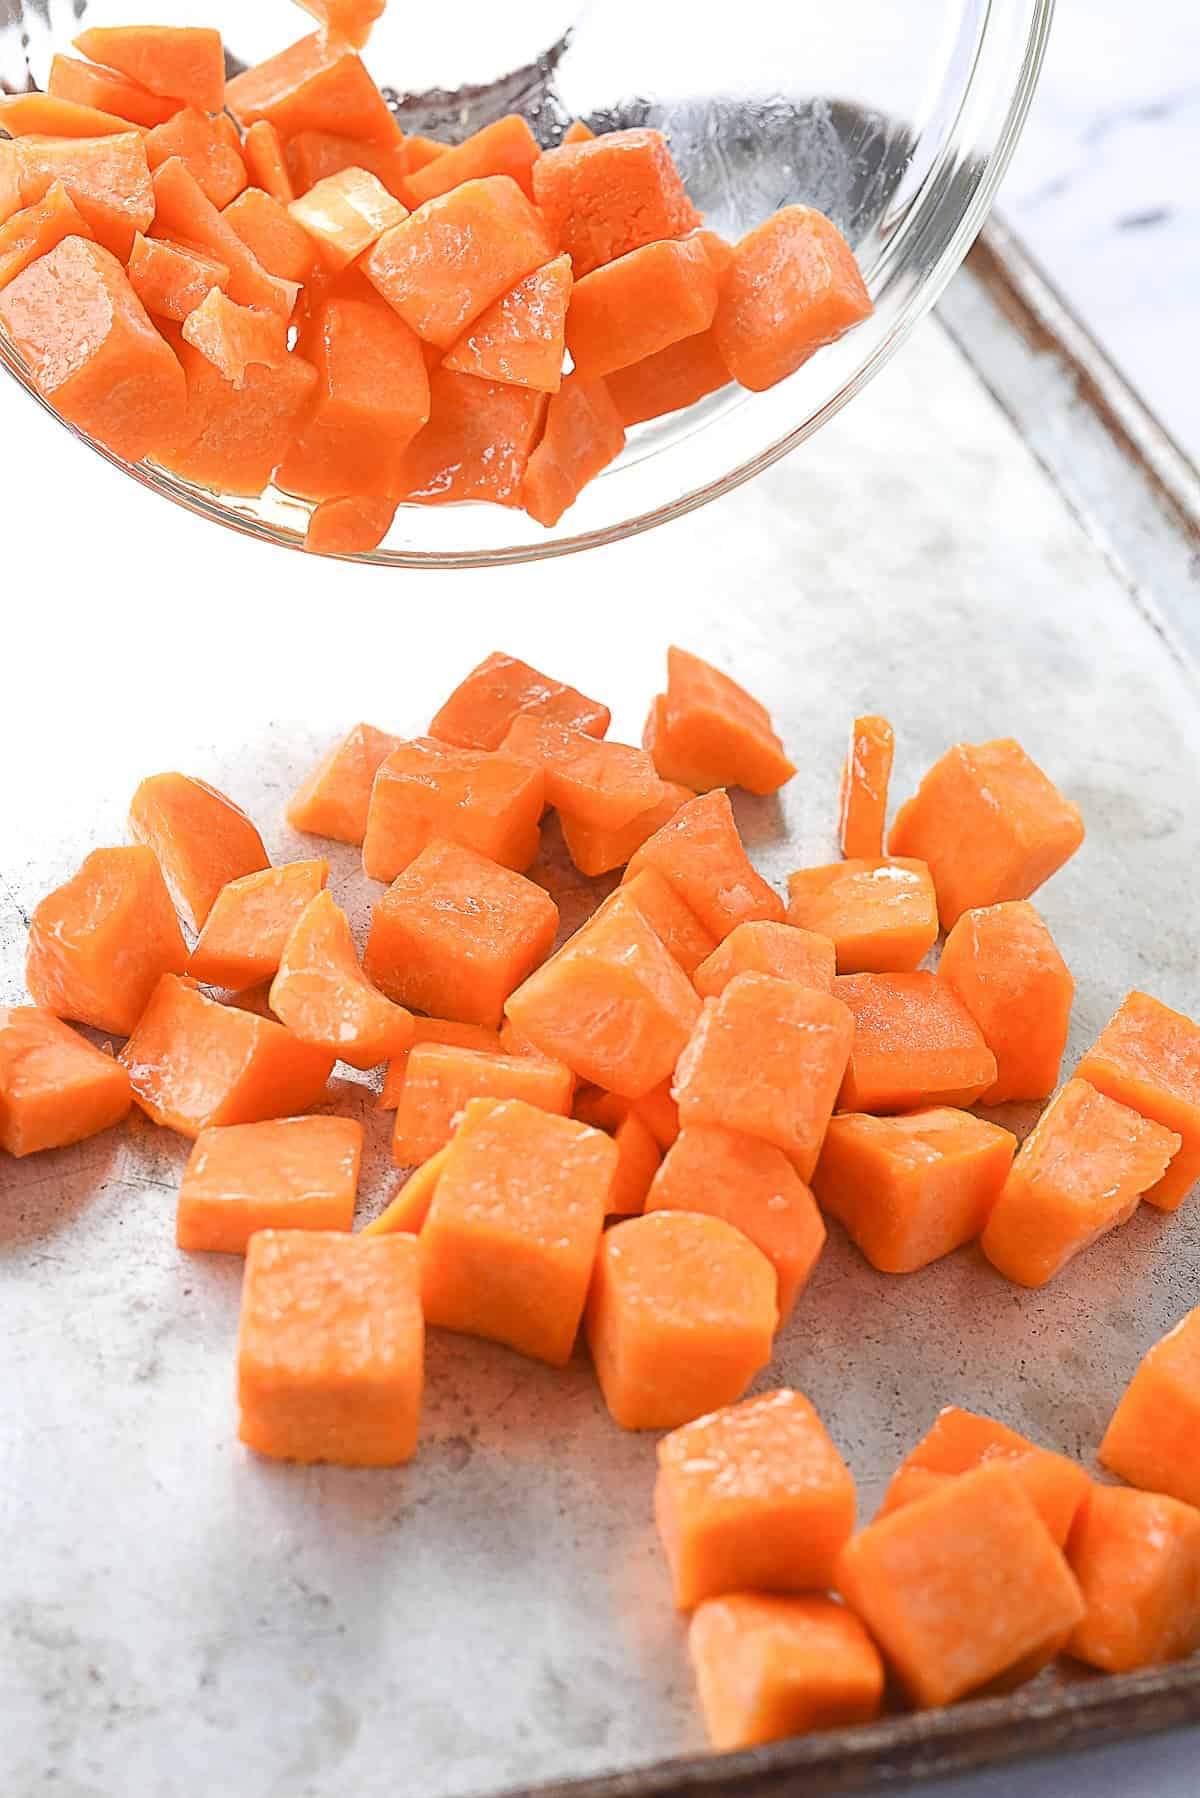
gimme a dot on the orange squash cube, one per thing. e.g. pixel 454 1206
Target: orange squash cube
pixel 441 1079
pixel 1148 1057
pixel 488 801
pixel 331 1348
pixel 605 784
pixel 1153 1438
pixel 185 63
pixel 1080 1173
pixel 508 1245
pixel 520 338
pixel 915 1044
pixel 334 800
pixel 107 179
pixel 611 194
pixel 638 1161
pixel 959 1441
pixel 770 1668
pixel 792 287
pixel 678 376
pixel 1003 963
pixel 660 1113
pixel 677 926
pixel 36 114
pixel 990 825
pixel 1136 1556
pixel 456 934
pixel 313 156
pixel 84 85
pixel 596 851
pixel 33 231
pixel 476 445
pixel 638 304
pixel 318 84
pixel 699 852
pixel 235 338
pixel 754 1498
pixel 201 838
pixel 182 210
pixel 863 795
pixel 707 731
pixel 614 1004
pixel 192 1063
pixel 243 937
pixel 767 1059
pixel 410 1207
pixel 98 943
pixel 881 916
pixel 284 1174
pixel 438 1030
pixel 209 147
pixel 583 434
pixel 283 247
pixel 681 1316
pixel 480 712
pixel 325 999
pixel 171 280
pixel 353 526
pixel 233 437
pixel 751 1185
pixel 345 214
pixel 266 162
pixel 505 147
pixel 782 950
pixel 914 1188
pixel 55 1088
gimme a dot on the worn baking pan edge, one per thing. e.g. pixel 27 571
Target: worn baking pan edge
pixel 965 1738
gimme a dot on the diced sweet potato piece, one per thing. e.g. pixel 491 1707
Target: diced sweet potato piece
pixel 520 337
pixel 680 1317
pixel 658 1110
pixel 487 801
pixel 333 801
pixel 251 919
pixel 881 916
pixel 441 266
pixel 92 351
pixel 314 155
pixel 285 1174
pixel 597 851
pixel 98 943
pixel 1148 1057
pixel 331 1348
pixel 668 917
pixel 1079 1174
pixel 421 151
pixel 78 81
pixel 960 1441
pixel 922 1577
pixel 614 1004
pixel 781 950
pixel 347 20
pixel 751 1185
pixel 235 338
pixel 583 435
pixel 606 784
pixel 1003 963
pixel 707 731
pixel 639 304
pixel 476 445
pixel 455 934
pixel 34 230
pixel 266 162
pixel 345 214
pixel 507 147
pixel 480 712
pixel 990 825
pixel 915 1044
pixel 700 853
pixel 318 84
pixel 638 1160
pixel 577 132
pixel 863 796
pixel 171 280
pixel 767 1059
pixel 768 1668
pixel 508 1246
pixel 192 1063
pixel 47 115
pixel 272 236
pixel 349 527
pixel 184 210
pixel 1153 1438
pixel 610 195
pixel 410 1207
pixel 754 1498
pixel 10 180
pixel 201 838
pixel 107 178
pixel 912 1189
pixel 233 436
pixel 323 997
pixel 372 399
pixel 439 1030
pixel 1136 1556
pixel 55 1088
pixel 185 63
pixel 440 1080
pixel 678 376
pixel 792 287
pixel 203 145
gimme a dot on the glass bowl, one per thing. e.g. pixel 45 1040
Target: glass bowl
pixel 897 120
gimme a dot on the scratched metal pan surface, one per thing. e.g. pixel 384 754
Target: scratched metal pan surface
pixel 181 1620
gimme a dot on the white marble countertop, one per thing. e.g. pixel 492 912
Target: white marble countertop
pixel 1105 190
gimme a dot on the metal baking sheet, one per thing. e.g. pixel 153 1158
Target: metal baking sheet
pixel 181 1620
